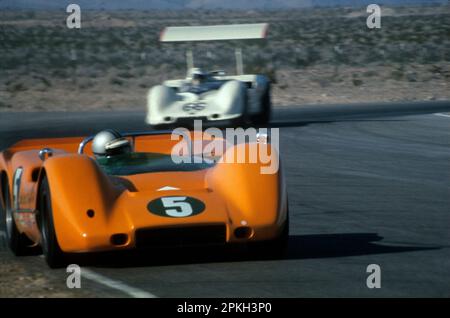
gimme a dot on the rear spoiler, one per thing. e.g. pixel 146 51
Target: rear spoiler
pixel 214 32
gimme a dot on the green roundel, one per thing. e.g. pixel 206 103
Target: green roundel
pixel 176 206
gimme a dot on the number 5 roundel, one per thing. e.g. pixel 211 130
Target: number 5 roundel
pixel 176 207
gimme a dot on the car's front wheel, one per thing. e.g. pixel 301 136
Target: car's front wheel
pixel 18 243
pixel 53 254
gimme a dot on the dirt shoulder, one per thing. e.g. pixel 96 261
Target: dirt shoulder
pixel 313 85
pixel 30 277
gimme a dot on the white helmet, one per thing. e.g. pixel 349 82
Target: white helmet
pixel 109 143
pixel 197 74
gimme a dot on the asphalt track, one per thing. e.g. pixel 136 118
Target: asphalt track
pixel 368 184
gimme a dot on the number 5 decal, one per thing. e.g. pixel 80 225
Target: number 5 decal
pixel 176 206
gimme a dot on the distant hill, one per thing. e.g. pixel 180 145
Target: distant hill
pixel 198 4
pixel 356 3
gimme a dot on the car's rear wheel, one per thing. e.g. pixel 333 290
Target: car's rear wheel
pixel 18 243
pixel 263 117
pixel 277 248
pixel 244 119
pixel 54 256
pixel 273 249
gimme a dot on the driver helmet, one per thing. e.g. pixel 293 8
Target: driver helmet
pixel 110 143
pixel 198 76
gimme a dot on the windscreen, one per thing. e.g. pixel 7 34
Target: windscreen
pixel 146 162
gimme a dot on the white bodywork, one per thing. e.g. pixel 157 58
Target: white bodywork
pixel 218 97
pixel 215 32
pixel 236 95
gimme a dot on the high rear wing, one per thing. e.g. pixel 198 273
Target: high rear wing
pixel 215 32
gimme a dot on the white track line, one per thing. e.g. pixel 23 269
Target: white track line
pixel 442 115
pixel 114 284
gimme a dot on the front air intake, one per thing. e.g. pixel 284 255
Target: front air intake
pixel 243 232
pixel 201 235
pixel 119 239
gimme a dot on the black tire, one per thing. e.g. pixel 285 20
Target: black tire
pixel 263 118
pixel 54 256
pixel 17 242
pixel 245 119
pixel 240 121
pixel 273 249
pixel 278 247
pixel 161 127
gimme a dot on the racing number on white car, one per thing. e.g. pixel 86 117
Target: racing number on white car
pixel 176 207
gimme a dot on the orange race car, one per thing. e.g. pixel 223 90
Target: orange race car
pixel 117 191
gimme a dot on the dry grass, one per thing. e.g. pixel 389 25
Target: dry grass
pixel 20 279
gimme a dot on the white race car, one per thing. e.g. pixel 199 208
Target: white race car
pixel 211 96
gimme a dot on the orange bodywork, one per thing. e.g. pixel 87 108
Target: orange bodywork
pixel 234 194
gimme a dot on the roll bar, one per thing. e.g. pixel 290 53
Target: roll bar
pixel 134 135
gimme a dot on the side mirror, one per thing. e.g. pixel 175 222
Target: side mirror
pixel 45 153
